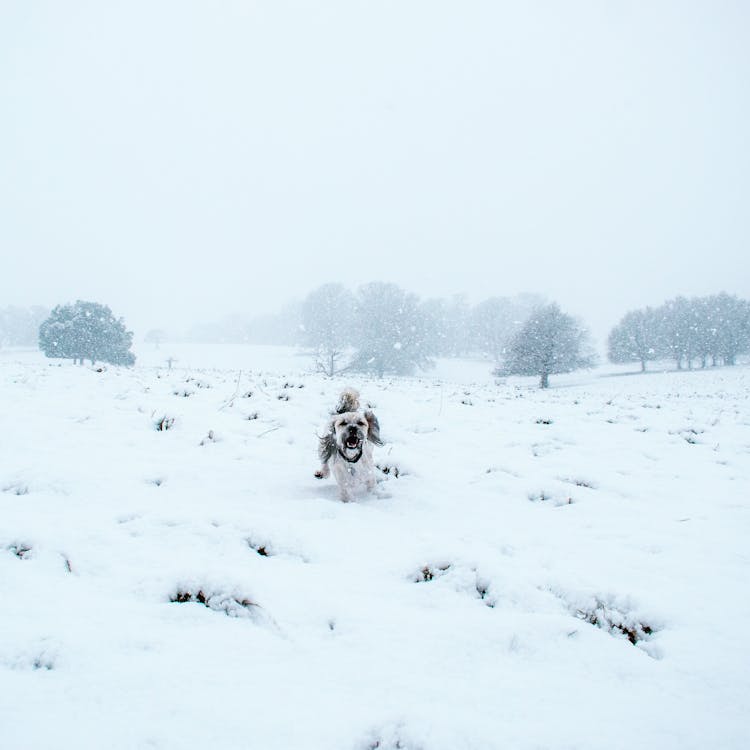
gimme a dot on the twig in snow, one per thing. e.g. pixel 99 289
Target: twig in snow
pixel 278 427
pixel 230 400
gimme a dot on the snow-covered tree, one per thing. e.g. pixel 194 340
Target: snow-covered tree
pixel 391 331
pixel 86 330
pixel 730 326
pixel 716 327
pixel 327 325
pixel 636 338
pixel 679 334
pixel 549 343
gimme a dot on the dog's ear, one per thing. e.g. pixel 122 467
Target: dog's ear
pixel 373 429
pixel 327 445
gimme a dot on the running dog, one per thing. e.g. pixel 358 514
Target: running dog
pixel 346 448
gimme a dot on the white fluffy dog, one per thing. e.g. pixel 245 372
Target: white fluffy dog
pixel 347 446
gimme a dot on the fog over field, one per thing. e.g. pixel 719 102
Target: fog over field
pixel 181 161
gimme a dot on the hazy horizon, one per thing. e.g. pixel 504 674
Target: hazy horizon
pixel 182 162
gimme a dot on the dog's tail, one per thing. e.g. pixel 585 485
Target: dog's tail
pixel 348 401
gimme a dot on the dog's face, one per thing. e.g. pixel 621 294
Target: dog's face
pixel 350 431
pixel 348 434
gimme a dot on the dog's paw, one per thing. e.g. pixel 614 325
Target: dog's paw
pixel 322 473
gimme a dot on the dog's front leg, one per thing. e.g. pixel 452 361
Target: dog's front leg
pixel 369 468
pixel 322 472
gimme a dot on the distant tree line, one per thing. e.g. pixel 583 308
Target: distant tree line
pixel 407 332
pixel 280 328
pixel 696 331
pixel 381 328
pixel 19 326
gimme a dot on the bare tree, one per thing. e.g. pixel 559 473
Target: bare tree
pixel 327 317
pixel 156 337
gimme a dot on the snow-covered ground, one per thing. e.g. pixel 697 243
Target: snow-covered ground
pixel 560 569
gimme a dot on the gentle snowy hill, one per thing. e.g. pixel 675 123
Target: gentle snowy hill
pixel 560 569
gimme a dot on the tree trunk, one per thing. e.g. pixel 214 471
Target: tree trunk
pixel 544 382
pixel 643 365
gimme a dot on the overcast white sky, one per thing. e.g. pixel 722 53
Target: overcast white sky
pixel 183 160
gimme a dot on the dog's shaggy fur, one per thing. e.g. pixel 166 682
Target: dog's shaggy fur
pixel 346 447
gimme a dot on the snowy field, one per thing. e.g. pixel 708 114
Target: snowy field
pixel 561 569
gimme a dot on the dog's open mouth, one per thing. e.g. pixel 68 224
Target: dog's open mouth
pixel 352 443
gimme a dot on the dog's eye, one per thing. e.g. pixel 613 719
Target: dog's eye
pixel 362 423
